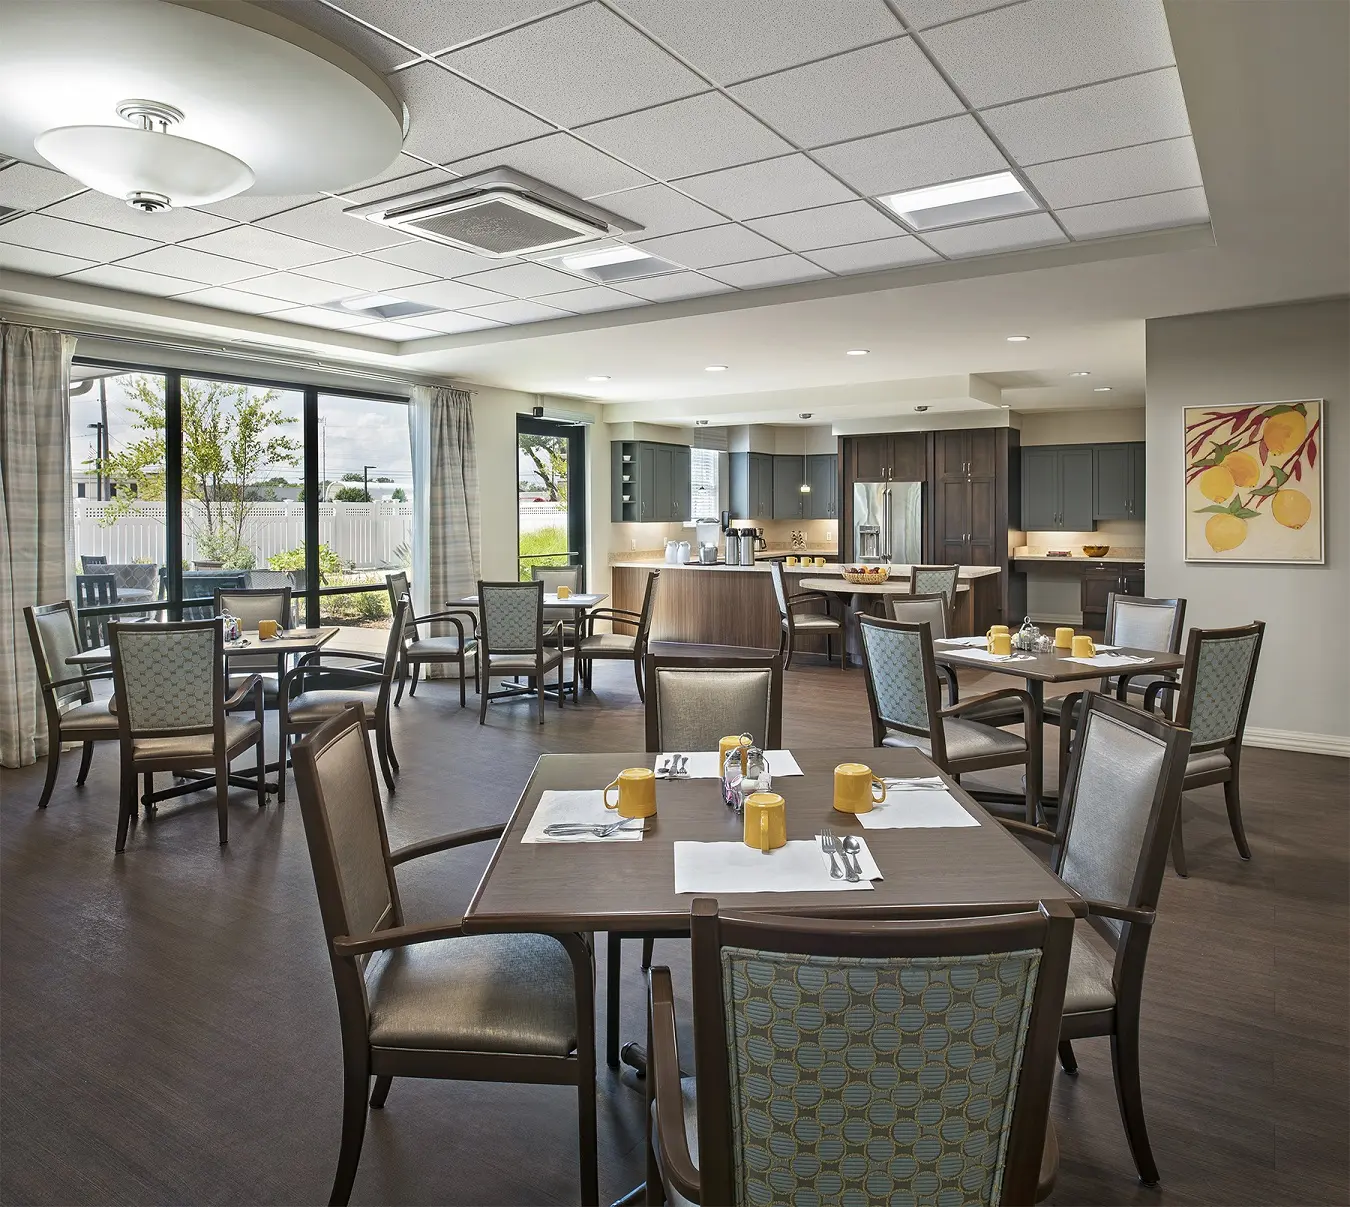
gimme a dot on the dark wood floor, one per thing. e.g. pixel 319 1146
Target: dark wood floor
pixel 169 1035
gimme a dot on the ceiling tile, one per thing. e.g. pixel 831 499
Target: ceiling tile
pixel 450 323
pixel 453 119
pixel 249 208
pixel 188 264
pixel 909 159
pixel 1142 108
pixel 777 270
pixel 560 160
pixel 1047 45
pixel 435 258
pixel 772 186
pixel 585 301
pixel 256 245
pixel 578 66
pixel 112 276
pixel 325 222
pixel 735 39
pixel 1156 167
pixel 361 273
pixel 1005 234
pixel 234 299
pixel 862 92
pixel 402 176
pixel 661 211
pixel 1185 207
pixel 829 226
pixel 518 311
pixel 43 263
pixel 450 295
pixel 675 285
pixel 302 291
pixel 872 257
pixel 920 14
pixel 25 187
pixel 684 138
pixel 316 316
pixel 521 281
pixel 434 25
pixel 98 209
pixel 71 238
pixel 367 44
pixel 726 244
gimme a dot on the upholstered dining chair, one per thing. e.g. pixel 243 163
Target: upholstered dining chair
pixel 936 612
pixel 173 714
pixel 73 715
pixel 851 1060
pixel 793 621
pixel 511 643
pixel 935 580
pixel 341 679
pixel 422 648
pixel 427 1000
pixel 1118 811
pixel 1212 699
pixel 903 695
pixel 618 647
pixel 251 606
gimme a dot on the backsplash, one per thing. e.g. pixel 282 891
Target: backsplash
pixel 639 542
pixel 1125 538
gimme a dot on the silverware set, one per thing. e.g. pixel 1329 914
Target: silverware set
pixel 569 829
pixel 917 784
pixel 843 850
pixel 676 766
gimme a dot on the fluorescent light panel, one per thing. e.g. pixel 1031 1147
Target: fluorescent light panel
pixel 581 260
pixel 958 201
pixel 611 265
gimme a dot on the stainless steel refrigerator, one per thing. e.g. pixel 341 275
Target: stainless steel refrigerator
pixel 888 522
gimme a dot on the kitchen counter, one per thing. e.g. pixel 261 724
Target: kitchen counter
pixel 1080 559
pixel 897 570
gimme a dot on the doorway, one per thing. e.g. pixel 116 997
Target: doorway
pixel 551 494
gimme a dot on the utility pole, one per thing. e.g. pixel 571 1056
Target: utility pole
pixel 99 429
pixel 323 459
pixel 365 480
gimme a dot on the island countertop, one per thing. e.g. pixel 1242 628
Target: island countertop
pixel 897 570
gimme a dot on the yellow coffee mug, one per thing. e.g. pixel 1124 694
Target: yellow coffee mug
pixel 267 629
pixel 726 745
pixel 997 628
pixel 1000 644
pixel 820 561
pixel 792 561
pixel 765 821
pixel 1063 639
pixel 637 792
pixel 1083 648
pixel 855 788
pixel 564 591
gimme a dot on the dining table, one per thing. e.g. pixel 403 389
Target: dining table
pixel 577 604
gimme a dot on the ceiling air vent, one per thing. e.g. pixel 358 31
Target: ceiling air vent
pixel 7 212
pixel 498 213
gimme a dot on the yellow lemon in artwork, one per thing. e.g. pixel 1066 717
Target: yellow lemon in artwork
pixel 1224 532
pixel 1292 508
pixel 1217 483
pixel 1284 433
pixel 1246 470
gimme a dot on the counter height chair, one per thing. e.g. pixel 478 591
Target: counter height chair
pixel 937 1089
pixel 935 580
pixel 793 621
pixel 620 647
pixel 426 1000
pixel 73 715
pixel 421 647
pixel 511 643
pixel 249 606
pixel 1118 811
pixel 1212 700
pixel 173 715
pixel 903 695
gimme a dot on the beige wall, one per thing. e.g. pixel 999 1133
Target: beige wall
pixel 1261 355
pixel 1104 426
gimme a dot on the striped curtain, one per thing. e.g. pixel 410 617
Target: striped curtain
pixel 446 561
pixel 36 519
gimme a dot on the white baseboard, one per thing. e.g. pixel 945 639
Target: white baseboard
pixel 1302 743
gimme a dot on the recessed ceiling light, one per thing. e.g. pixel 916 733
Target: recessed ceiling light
pixel 1005 405
pixel 714 368
pixel 603 256
pixel 611 264
pixel 991 196
pixel 1101 389
pixel 1081 373
pixel 599 377
pixel 856 352
pixel 369 301
pixel 1018 339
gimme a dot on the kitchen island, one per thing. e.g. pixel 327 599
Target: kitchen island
pixel 735 605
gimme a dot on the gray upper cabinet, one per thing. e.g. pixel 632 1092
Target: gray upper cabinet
pixel 1118 474
pixel 789 474
pixel 1075 487
pixel 822 475
pixel 751 486
pixel 1040 489
pixel 1057 488
pixel 649 482
pixel 682 483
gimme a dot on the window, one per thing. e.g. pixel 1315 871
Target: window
pixel 551 494
pixel 704 497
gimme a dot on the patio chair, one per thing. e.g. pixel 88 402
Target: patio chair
pixel 94 591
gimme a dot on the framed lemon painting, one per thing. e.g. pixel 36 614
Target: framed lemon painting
pixel 1254 483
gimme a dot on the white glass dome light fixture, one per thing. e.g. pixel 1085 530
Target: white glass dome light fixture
pixel 142 163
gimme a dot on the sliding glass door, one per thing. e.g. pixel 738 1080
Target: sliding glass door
pixel 551 493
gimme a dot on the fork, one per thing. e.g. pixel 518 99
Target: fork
pixel 832 849
pixel 560 829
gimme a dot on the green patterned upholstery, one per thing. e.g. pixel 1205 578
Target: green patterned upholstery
pixel 935 580
pixel 857 1081
pixel 895 663
pixel 167 677
pixel 512 617
pixel 1221 672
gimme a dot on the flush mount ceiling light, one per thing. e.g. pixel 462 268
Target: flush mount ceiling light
pixel 609 265
pixel 714 368
pixel 856 352
pixel 993 196
pixel 1081 373
pixel 599 377
pixel 382 306
pixel 369 301
pixel 1018 339
pixel 1101 389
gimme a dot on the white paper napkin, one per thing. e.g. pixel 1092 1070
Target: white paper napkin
pixel 1112 660
pixel 986 656
pixel 916 810
pixel 586 807
pixel 732 867
pixel 702 764
pixel 980 642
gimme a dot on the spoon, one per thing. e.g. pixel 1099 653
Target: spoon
pixel 851 848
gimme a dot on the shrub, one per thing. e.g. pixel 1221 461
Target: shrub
pixel 369 605
pixel 536 546
pixel 330 565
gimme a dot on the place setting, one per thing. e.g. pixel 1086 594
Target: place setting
pixel 711 764
pixel 590 815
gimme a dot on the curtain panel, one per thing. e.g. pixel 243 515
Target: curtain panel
pixel 36 519
pixel 446 553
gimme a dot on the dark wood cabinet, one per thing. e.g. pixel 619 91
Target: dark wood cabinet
pixel 969 505
pixel 789 475
pixel 1118 481
pixel 1057 488
pixel 822 475
pixel 1101 580
pixel 887 457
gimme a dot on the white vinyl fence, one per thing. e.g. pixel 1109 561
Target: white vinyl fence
pixel 364 534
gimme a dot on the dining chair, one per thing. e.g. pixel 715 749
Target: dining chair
pixel 859 1060
pixel 560 624
pixel 73 715
pixel 511 643
pixel 342 678
pixel 430 648
pixel 935 611
pixel 695 702
pixel 250 606
pixel 203 584
pixel 1120 806
pixel 173 714
pixel 427 1000
pixel 903 695
pixel 618 647
pixel 792 620
pixel 935 580
pixel 1213 695
pixel 97 590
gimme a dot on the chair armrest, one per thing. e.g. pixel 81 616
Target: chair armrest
pixel 1155 690
pixel 1125 913
pixel 450 616
pixel 1068 705
pixel 1020 829
pixel 1030 717
pixel 953 684
pixel 298 673
pixel 663 1068
pixel 1123 680
pixel 620 614
pixel 55 683
pixel 446 842
pixel 398 936
pixel 245 689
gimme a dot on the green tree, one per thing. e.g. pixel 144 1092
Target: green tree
pixel 350 494
pixel 399 495
pixel 549 456
pixel 352 476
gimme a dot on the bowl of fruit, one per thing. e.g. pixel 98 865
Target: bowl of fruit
pixel 866 575
pixel 1096 550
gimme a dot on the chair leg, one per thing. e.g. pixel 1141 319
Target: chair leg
pixel 637 675
pixel 648 949
pixel 613 968
pixel 1178 844
pixel 539 684
pixel 283 760
pixel 562 694
pixel 1067 1060
pixel 484 690
pixel 353 1133
pixel 463 698
pixel 382 750
pixel 417 674
pixel 1035 774
pixel 1129 1096
pixel 54 765
pixel 1234 803
pixel 389 743
pixel 223 797
pixel 403 679
pixel 86 758
pixel 126 803
pixel 587 1136
pixel 788 661
pixel 381 1092
pixel 262 770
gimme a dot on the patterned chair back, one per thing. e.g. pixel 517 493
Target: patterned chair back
pixel 267 580
pixel 1217 683
pixel 51 632
pixel 512 616
pixel 168 677
pixel 693 703
pixel 779 588
pixel 251 606
pixel 922 609
pixel 902 682
pixel 934 580
pixel 883 1062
